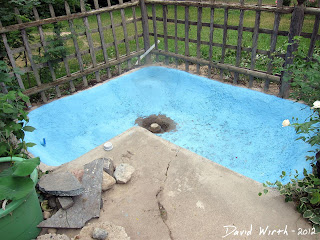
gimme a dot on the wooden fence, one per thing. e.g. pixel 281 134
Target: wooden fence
pixel 186 30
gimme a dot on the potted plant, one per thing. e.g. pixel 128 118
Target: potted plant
pixel 20 211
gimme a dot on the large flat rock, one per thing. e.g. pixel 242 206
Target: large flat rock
pixel 86 206
pixel 177 194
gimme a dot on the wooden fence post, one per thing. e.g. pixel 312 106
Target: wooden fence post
pixel 145 28
pixel 295 30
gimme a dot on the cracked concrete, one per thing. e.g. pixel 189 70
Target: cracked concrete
pixel 177 194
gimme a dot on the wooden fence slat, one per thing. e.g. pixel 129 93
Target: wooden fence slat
pixel 44 45
pixel 154 22
pixel 75 43
pixel 239 42
pixel 224 38
pixel 175 32
pixel 186 19
pixel 273 44
pixel 90 41
pixel 165 31
pixel 65 61
pixel 199 27
pixel 210 40
pixel 11 59
pixel 314 34
pixel 145 28
pixel 255 38
pixel 135 29
pixel 30 57
pixel 125 32
pixel 102 40
pixel 114 37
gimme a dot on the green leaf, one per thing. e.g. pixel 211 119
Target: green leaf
pixel 28 128
pixel 30 144
pixel 308 214
pixel 14 188
pixel 315 198
pixel 315 219
pixel 265 191
pixel 26 167
pixel 259 193
pixel 304 199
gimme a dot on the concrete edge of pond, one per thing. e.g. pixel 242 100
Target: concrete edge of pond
pixel 177 194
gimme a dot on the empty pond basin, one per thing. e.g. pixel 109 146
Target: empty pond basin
pixel 235 127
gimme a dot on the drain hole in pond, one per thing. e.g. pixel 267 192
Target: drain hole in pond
pixel 157 123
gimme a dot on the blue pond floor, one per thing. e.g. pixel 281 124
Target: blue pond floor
pixel 235 127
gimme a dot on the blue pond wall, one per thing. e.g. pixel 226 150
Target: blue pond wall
pixel 235 127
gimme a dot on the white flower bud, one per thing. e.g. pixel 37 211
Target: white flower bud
pixel 285 123
pixel 316 104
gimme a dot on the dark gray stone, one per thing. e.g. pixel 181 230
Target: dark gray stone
pixel 86 206
pixel 52 202
pixel 66 202
pixel 99 234
pixel 60 184
pixel 108 166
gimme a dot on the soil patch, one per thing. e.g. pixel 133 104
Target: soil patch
pixel 166 123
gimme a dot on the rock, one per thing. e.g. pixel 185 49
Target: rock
pixel 46 214
pixel 123 173
pixel 65 202
pixel 155 128
pixel 108 166
pixel 78 173
pixel 107 182
pixel 99 233
pixel 52 230
pixel 52 202
pixel 53 236
pixel 86 206
pixel 114 232
pixel 60 184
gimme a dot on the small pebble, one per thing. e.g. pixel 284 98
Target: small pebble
pixel 52 230
pixel 99 234
pixel 46 214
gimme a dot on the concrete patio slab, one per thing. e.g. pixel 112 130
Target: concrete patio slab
pixel 177 194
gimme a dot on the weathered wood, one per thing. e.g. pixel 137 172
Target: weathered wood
pixel 73 16
pixel 239 42
pixel 273 43
pixel 145 28
pixel 246 71
pixel 154 22
pixel 175 32
pixel 11 59
pixel 135 29
pixel 65 61
pixel 165 31
pixel 224 38
pixel 211 40
pixel 90 41
pixel 75 43
pixel 30 57
pixel 255 38
pixel 102 40
pixel 44 45
pixel 295 30
pixel 186 30
pixel 125 33
pixel 114 37
pixel 79 74
pixel 314 34
pixel 199 27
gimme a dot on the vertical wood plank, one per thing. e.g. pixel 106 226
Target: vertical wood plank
pixel 211 40
pixel 273 43
pixel 135 29
pixel 75 42
pixel 255 38
pixel 224 38
pixel 11 59
pixel 176 32
pixel 199 27
pixel 186 30
pixel 114 37
pixel 154 22
pixel 30 57
pixel 65 61
pixel 44 45
pixel 314 34
pixel 125 32
pixel 102 40
pixel 90 41
pixel 145 28
pixel 165 31
pixel 239 42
